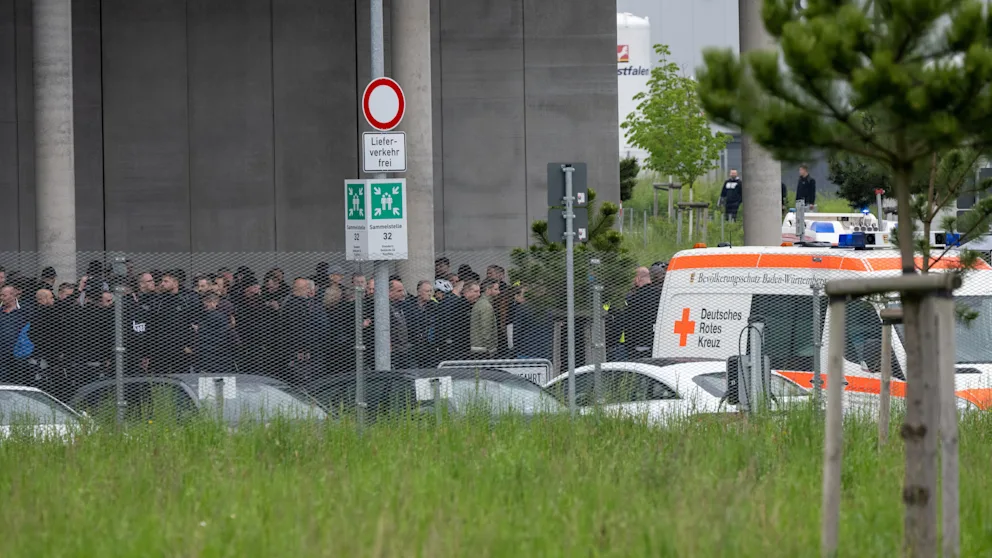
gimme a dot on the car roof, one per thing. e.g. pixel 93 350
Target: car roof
pixel 188 379
pixel 482 373
pixel 13 387
pixel 669 373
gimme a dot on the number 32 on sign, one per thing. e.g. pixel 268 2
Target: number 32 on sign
pixel 375 219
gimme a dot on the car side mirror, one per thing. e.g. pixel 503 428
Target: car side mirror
pixel 873 355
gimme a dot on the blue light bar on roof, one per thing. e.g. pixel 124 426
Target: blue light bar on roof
pixel 853 240
pixel 953 239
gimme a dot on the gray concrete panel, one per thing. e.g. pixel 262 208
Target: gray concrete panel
pixel 571 89
pixel 230 135
pixel 438 126
pixel 9 238
pixel 25 125
pixel 483 124
pixel 88 124
pixel 316 147
pixel 146 148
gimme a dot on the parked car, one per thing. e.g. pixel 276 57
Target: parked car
pixel 663 390
pixel 406 392
pixel 183 396
pixel 35 411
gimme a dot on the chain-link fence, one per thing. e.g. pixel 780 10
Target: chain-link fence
pixel 266 333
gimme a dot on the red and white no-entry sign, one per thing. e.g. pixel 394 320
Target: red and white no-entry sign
pixel 383 104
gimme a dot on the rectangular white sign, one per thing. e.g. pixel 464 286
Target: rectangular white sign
pixel 356 225
pixel 384 152
pixel 386 214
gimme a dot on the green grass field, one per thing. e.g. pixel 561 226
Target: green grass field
pixel 662 234
pixel 593 487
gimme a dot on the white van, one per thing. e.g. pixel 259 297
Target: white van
pixel 710 293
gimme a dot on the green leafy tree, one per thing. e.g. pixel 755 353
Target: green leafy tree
pixel 670 125
pixel 629 169
pixel 541 267
pixel 893 81
pixel 857 179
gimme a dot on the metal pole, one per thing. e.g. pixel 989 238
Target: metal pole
pixel 878 200
pixel 678 227
pixel 759 388
pixel 723 220
pixel 645 228
pixel 833 453
pixel 691 211
pixel 360 403
pixel 949 485
pixel 382 356
pixel 885 395
pixel 570 286
pixel 671 201
pixel 655 188
pixel 817 347
pixel 436 395
pixel 219 396
pixel 705 224
pixel 119 350
pixel 597 332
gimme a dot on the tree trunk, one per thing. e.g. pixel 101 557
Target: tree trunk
pixel 919 431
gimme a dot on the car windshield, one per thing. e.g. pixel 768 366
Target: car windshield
pixel 512 395
pixel 257 400
pixel 31 407
pixel 972 337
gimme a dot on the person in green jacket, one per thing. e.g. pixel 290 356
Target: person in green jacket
pixel 483 331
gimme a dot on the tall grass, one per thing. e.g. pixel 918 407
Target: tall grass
pixel 543 487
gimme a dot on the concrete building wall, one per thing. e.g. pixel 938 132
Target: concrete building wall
pixel 229 125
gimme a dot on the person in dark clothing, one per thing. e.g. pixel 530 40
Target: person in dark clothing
pixel 532 328
pixel 339 340
pixel 806 188
pixel 46 330
pixel 454 323
pixel 297 320
pixel 172 328
pixel 13 318
pixel 785 199
pixel 90 349
pixel 731 196
pixel 139 309
pixel 399 332
pixel 214 350
pixel 421 317
pixel 254 343
pixel 640 315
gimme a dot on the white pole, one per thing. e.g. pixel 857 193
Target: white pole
pixel 833 453
pixel 950 503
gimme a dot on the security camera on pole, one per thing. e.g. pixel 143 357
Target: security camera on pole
pixel 376 209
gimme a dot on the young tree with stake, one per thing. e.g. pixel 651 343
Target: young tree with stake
pixel 670 125
pixel 894 84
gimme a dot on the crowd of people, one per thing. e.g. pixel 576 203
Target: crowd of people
pixel 59 336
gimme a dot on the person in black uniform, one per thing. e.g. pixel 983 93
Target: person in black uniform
pixel 731 196
pixel 806 188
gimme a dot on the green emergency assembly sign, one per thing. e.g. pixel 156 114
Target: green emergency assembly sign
pixel 387 200
pixel 356 201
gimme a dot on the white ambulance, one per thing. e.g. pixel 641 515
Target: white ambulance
pixel 710 293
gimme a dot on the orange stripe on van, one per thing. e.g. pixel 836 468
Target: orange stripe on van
pixel 858 384
pixel 728 260
pixel 945 263
pixel 982 397
pixel 782 261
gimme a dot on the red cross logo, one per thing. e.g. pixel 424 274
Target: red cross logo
pixel 684 327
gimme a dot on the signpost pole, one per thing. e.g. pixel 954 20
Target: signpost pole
pixel 382 360
pixel 360 403
pixel 570 285
pixel 597 329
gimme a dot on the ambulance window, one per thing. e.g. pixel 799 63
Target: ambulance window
pixel 788 337
pixel 862 323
